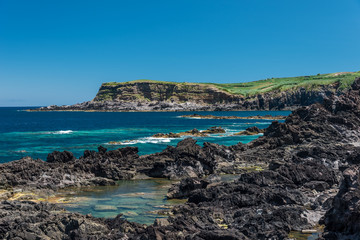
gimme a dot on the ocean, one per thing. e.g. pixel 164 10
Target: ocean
pixel 37 134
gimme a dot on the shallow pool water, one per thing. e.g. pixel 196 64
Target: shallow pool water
pixel 137 200
pixel 303 236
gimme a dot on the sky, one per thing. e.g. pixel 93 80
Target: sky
pixel 60 51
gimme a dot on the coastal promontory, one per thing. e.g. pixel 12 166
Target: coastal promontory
pixel 269 94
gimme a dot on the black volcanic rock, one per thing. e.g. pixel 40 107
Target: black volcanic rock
pixel 29 220
pixel 185 187
pixel 309 156
pixel 342 221
pixel 61 157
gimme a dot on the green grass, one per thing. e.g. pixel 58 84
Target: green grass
pixel 282 84
pixel 271 84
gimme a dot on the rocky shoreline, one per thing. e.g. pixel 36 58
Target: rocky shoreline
pixel 257 117
pixel 308 177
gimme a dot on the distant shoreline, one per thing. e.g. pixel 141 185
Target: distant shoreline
pixel 36 110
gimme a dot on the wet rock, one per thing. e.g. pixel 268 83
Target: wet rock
pixel 251 131
pixel 214 130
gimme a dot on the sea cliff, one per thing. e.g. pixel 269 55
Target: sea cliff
pixel 272 94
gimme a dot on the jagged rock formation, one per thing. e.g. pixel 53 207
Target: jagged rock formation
pixel 29 220
pixel 312 177
pixel 167 96
pixel 191 133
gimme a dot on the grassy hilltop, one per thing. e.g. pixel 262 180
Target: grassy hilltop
pixel 344 79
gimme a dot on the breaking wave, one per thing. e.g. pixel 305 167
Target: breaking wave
pixel 59 132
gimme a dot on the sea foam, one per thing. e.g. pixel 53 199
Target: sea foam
pixel 142 140
pixel 60 132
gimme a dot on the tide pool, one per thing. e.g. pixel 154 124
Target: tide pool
pixel 140 201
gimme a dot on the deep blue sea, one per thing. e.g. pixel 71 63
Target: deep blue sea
pixel 36 134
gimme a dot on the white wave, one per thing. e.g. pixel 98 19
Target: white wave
pixel 259 134
pixel 251 123
pixel 158 139
pixel 20 151
pixel 142 140
pixel 60 132
pixel 192 117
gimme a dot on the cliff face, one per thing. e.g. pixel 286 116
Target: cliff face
pixel 164 92
pixel 164 96
pixel 289 100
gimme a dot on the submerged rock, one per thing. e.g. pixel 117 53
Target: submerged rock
pixel 104 208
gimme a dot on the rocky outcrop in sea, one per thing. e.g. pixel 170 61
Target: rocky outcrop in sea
pixel 301 175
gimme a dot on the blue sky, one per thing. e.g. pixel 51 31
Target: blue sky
pixel 59 52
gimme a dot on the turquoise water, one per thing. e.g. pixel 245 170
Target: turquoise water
pixel 137 200
pixel 36 134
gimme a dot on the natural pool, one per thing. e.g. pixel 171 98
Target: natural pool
pixel 303 236
pixel 137 200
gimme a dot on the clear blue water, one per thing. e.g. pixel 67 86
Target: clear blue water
pixel 137 200
pixel 36 134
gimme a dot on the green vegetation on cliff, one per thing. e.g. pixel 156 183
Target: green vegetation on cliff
pixel 343 80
